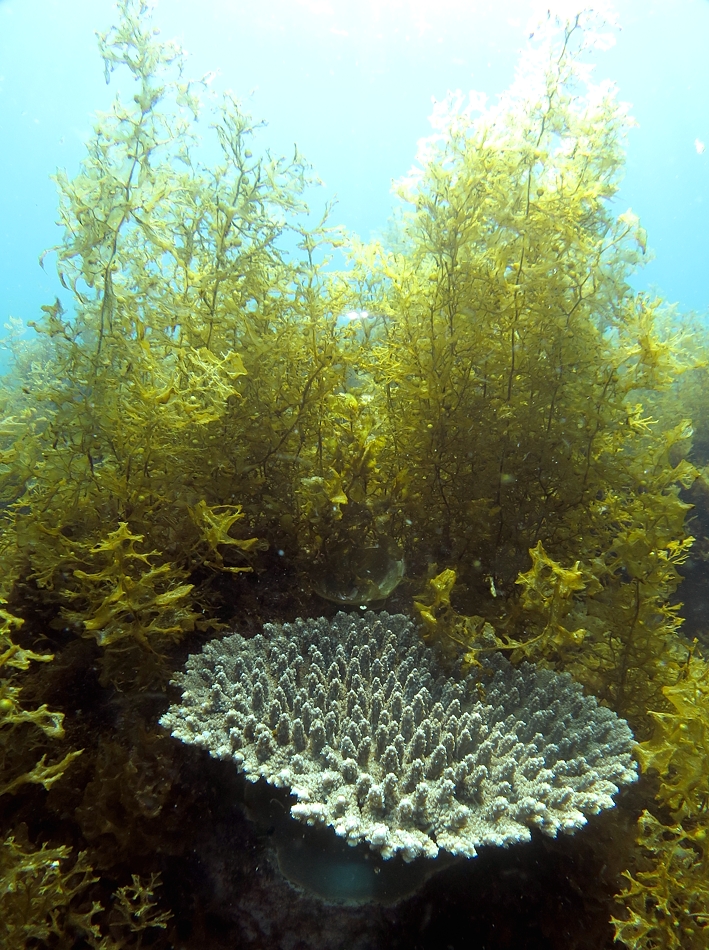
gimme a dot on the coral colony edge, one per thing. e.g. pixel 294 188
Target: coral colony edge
pixel 475 437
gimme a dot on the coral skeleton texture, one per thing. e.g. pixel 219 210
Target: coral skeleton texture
pixel 356 717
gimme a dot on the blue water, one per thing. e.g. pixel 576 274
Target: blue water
pixel 351 82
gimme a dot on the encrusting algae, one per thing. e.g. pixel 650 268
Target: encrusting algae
pixel 203 430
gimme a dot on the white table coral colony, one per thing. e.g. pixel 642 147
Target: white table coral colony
pixel 355 716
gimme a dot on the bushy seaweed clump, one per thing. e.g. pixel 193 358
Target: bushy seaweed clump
pixel 189 378
pixel 45 896
pixel 507 386
pixel 204 404
pixel 666 897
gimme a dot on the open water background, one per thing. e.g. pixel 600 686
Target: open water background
pixel 351 81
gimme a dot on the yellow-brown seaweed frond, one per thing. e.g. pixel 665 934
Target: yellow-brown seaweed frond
pixel 24 731
pixel 128 595
pixel 39 887
pixel 666 900
pixel 452 632
pixel 46 896
pixel 678 750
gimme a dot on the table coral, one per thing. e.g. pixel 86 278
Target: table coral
pixel 356 717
